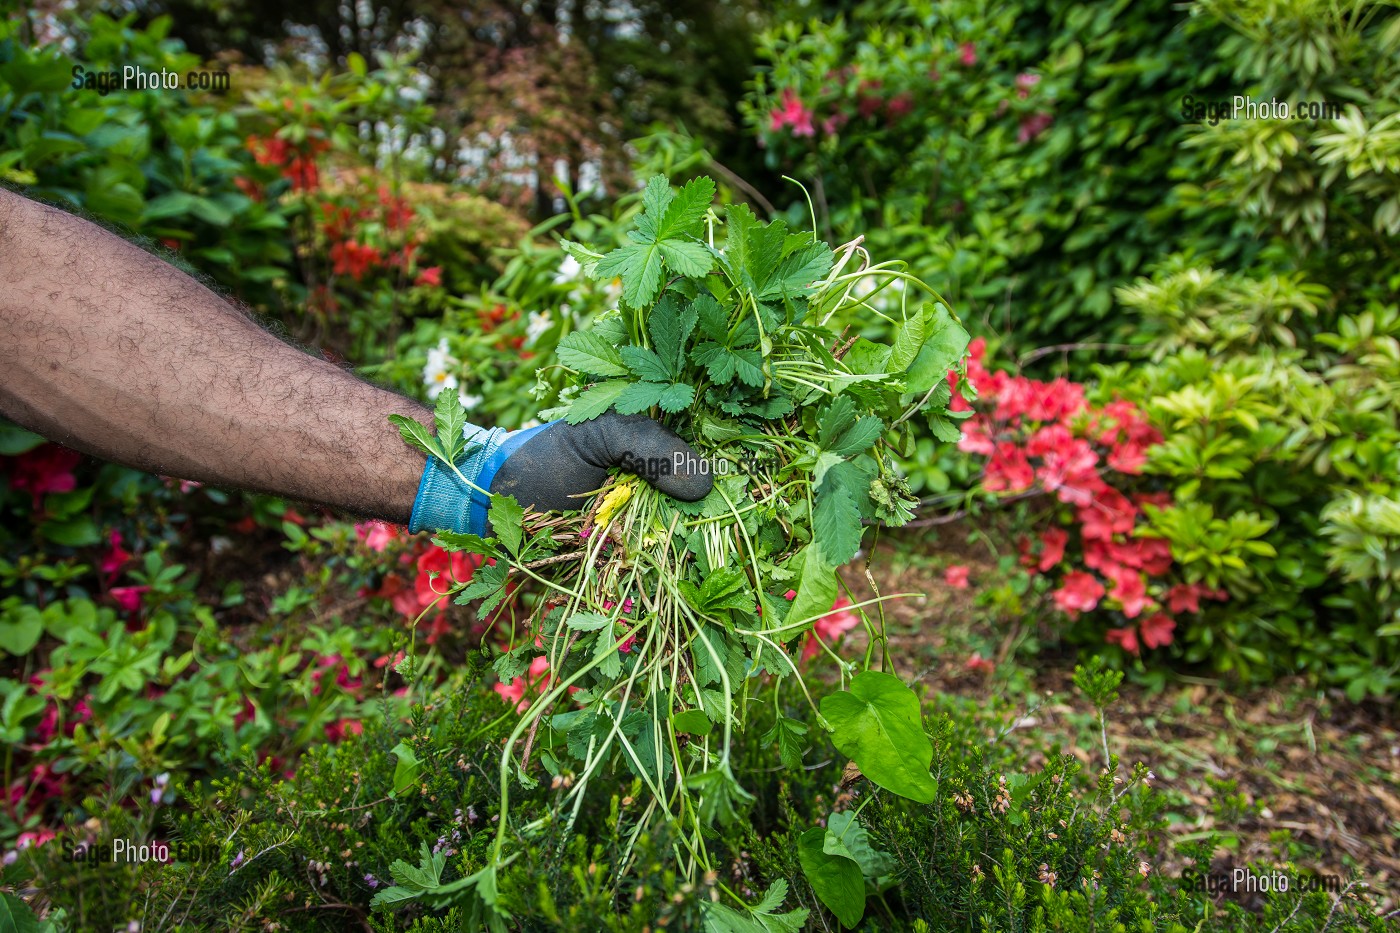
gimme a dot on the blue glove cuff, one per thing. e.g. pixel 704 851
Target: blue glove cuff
pixel 444 501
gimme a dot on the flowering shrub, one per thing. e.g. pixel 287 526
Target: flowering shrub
pixel 1108 568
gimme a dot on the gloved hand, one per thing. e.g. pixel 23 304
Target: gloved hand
pixel 552 466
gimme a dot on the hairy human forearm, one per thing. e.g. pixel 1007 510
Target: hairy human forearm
pixel 108 350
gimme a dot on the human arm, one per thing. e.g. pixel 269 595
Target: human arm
pixel 108 350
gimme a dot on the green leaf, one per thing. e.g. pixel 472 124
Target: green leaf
pixel 647 365
pixel 77 532
pixel 589 353
pixel 638 397
pixel 406 771
pixel 836 522
pixel 799 272
pixel 686 209
pixel 837 880
pixel 587 622
pixel 692 722
pixel 836 418
pixel 845 836
pixel 670 328
pixel 721 797
pixel 686 257
pixel 877 724
pixel 816 586
pixel 639 267
pixel 417 436
pixel 15 440
pixel 858 438
pixel 908 341
pixel 20 629
pixel 487 580
pixel 726 588
pixel 506 518
pixel 605 647
pixel 451 421
pixel 945 344
pixel 711 317
pixel 15 915
pixel 791 738
pixel 677 397
pixel 466 543
pixel 595 401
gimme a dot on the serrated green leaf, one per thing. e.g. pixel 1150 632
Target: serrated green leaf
pixel 790 735
pixel 836 522
pixel 417 436
pixel 587 622
pixel 908 340
pixel 858 438
pixel 605 647
pixel 638 397
pixel 646 365
pixel 711 318
pixel 835 419
pixel 506 517
pixel 687 257
pixel 799 272
pixel 595 401
pixel 589 353
pixel 451 421
pixel 686 209
pixel 677 397
pixel 487 581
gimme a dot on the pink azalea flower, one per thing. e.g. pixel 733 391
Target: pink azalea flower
pixel 338 730
pixel 515 691
pixel 1185 597
pixel 115 559
pixel 792 113
pixel 790 595
pixel 956 576
pixel 376 534
pixel 1157 630
pixel 1124 637
pixel 430 277
pixel 1131 593
pixel 1078 592
pixel 45 469
pixel 830 627
pixel 967 54
pixel 1052 548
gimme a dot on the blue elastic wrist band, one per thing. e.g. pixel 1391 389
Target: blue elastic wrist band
pixel 444 501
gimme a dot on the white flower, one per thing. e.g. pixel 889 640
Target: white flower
pixel 540 322
pixel 469 402
pixel 436 374
pixel 568 271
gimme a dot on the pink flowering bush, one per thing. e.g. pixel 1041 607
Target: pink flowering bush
pixel 1078 467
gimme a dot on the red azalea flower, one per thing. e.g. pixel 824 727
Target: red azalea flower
pixel 515 692
pixel 956 576
pixel 1109 514
pixel 115 559
pixel 1052 548
pixel 1131 593
pixel 1008 470
pixel 1185 597
pixel 792 113
pixel 45 469
pixel 1033 125
pixel 128 598
pixel 338 730
pixel 430 277
pixel 1157 630
pixel 1078 592
pixel 1125 637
